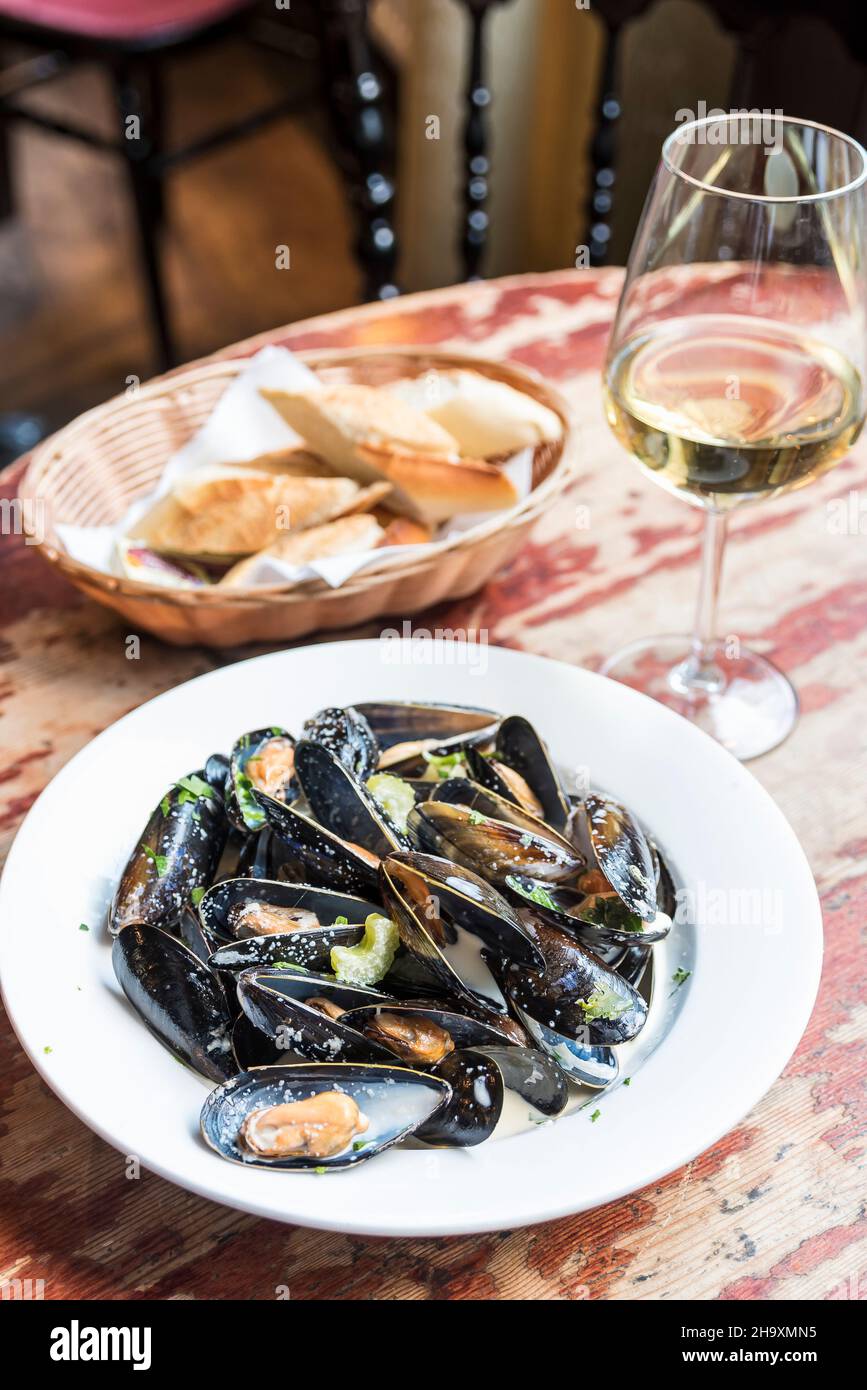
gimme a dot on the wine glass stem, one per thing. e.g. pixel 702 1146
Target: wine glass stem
pixel 699 675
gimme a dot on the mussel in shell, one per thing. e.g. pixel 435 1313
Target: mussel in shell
pixel 265 1117
pixel 180 999
pixel 494 1089
pixel 321 857
pixel 419 1034
pixel 262 761
pixel 176 855
pixel 241 907
pixel 575 994
pixel 519 768
pixel 447 916
pixel 348 737
pixel 494 848
pixel 342 804
pixel 304 1013
pixel 414 738
pixel 614 843
pixel 590 911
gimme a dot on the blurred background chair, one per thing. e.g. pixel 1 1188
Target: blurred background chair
pixel 519 135
pixel 132 44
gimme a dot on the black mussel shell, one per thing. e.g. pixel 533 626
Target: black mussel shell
pixel 179 998
pixel 482 1082
pixel 320 856
pixel 342 804
pixel 576 994
pixel 253 1048
pixel 262 762
pixel 420 1035
pixel 666 893
pixel 195 936
pixel 436 886
pixel 302 950
pixel 609 834
pixel 406 732
pixel 276 1001
pixel 393 1101
pixel 632 967
pixel 239 908
pixel 216 772
pixel 177 854
pixel 520 769
pixel 493 848
pixel 594 1067
pixel 348 736
pixel 446 915
pixel 598 920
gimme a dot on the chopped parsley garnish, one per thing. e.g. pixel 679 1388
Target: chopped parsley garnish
pixel 83 926
pixel 538 894
pixel 627 1080
pixel 48 1049
pixel 475 818
pixel 159 861
pixel 192 788
pixel 254 816
pixel 341 922
pixel 196 896
pixel 320 1170
pixel 595 1116
pixel 165 806
pixel 680 977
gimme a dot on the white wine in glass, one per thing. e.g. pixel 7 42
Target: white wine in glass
pixel 736 370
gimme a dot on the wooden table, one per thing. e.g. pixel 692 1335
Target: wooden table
pixel 775 1210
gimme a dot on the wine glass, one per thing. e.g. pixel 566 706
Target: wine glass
pixel 736 369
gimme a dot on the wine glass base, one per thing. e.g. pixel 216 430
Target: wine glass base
pixel 744 702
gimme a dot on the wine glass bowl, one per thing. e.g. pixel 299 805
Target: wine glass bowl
pixel 736 368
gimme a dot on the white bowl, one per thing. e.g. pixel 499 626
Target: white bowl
pixel 716 1044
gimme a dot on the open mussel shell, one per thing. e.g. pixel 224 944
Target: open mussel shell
pixel 446 917
pixel 392 1102
pixel 347 735
pixel 494 848
pixel 586 1065
pixel 633 964
pixel 321 857
pixel 507 1089
pixel 304 950
pixel 262 761
pixel 253 1048
pixel 421 1035
pixel 239 908
pixel 597 920
pixel 666 893
pixel 179 998
pixel 177 853
pixel 612 839
pixel 406 732
pixel 277 1002
pixel 519 767
pixel 576 995
pixel 342 804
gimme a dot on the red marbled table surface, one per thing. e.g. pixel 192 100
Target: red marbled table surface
pixel 776 1209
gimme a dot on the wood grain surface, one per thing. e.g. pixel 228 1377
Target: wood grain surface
pixel 775 1210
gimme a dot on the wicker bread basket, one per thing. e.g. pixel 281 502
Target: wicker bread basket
pixel 88 473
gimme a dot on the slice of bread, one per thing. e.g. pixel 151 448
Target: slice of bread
pixel 348 535
pixel 221 513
